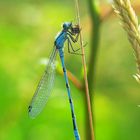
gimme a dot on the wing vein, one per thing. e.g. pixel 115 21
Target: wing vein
pixel 44 87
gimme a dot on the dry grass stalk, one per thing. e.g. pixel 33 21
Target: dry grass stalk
pixel 85 75
pixel 130 23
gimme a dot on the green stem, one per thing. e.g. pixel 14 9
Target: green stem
pixel 95 37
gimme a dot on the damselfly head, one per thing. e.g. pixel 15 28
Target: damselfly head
pixel 75 29
pixel 67 25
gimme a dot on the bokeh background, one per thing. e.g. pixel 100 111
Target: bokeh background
pixel 27 31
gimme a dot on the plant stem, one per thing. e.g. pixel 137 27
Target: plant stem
pixel 95 37
pixel 85 76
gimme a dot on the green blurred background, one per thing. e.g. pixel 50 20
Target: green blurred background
pixel 27 31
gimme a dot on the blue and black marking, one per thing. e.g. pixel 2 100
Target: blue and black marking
pixel 67 85
pixel 68 34
pixel 64 70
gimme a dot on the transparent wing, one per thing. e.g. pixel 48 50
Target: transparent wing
pixel 44 87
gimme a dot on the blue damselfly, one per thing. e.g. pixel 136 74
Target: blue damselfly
pixel 69 33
